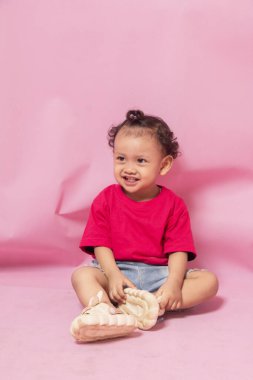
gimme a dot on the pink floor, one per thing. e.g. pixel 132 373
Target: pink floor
pixel 212 341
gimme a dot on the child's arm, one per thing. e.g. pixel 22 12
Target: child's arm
pixel 116 279
pixel 171 291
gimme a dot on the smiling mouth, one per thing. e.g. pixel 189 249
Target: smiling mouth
pixel 130 179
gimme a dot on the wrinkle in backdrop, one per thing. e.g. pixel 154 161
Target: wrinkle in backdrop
pixel 70 69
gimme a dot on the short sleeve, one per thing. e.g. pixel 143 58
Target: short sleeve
pixel 97 231
pixel 178 234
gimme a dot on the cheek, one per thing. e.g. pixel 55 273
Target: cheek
pixel 153 173
pixel 152 169
pixel 116 169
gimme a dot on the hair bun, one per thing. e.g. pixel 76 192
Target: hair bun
pixel 135 115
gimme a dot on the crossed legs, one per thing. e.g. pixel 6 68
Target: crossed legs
pixel 198 286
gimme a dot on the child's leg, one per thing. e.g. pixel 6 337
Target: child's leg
pixel 98 321
pixel 198 286
pixel 142 305
pixel 87 282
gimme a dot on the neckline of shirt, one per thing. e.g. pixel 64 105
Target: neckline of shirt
pixel 141 203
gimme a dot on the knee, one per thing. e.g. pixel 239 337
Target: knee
pixel 212 283
pixel 77 276
pixel 74 277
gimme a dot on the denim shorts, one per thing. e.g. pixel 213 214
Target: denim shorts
pixel 143 276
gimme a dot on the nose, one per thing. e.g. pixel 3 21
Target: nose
pixel 129 169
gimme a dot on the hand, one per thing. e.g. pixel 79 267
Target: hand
pixel 117 281
pixel 170 296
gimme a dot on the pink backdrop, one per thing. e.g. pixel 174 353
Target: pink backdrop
pixel 69 69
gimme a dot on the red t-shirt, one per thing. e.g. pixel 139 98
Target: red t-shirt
pixel 138 231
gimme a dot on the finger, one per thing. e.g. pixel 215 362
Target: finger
pixel 161 312
pixel 120 292
pixel 176 305
pixel 129 284
pixel 170 304
pixel 115 297
pixel 119 295
pixel 113 294
pixel 158 293
pixel 173 306
pixel 163 302
pixel 162 305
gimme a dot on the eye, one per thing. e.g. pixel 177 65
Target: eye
pixel 120 158
pixel 142 161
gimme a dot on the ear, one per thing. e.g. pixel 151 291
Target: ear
pixel 166 165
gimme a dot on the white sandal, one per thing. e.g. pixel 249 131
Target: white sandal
pixel 97 322
pixel 143 305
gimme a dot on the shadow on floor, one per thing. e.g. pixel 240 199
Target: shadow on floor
pixel 207 307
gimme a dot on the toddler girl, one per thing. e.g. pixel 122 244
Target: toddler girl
pixel 139 236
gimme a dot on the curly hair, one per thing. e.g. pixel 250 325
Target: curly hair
pixel 141 123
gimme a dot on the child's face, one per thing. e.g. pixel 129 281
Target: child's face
pixel 138 161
